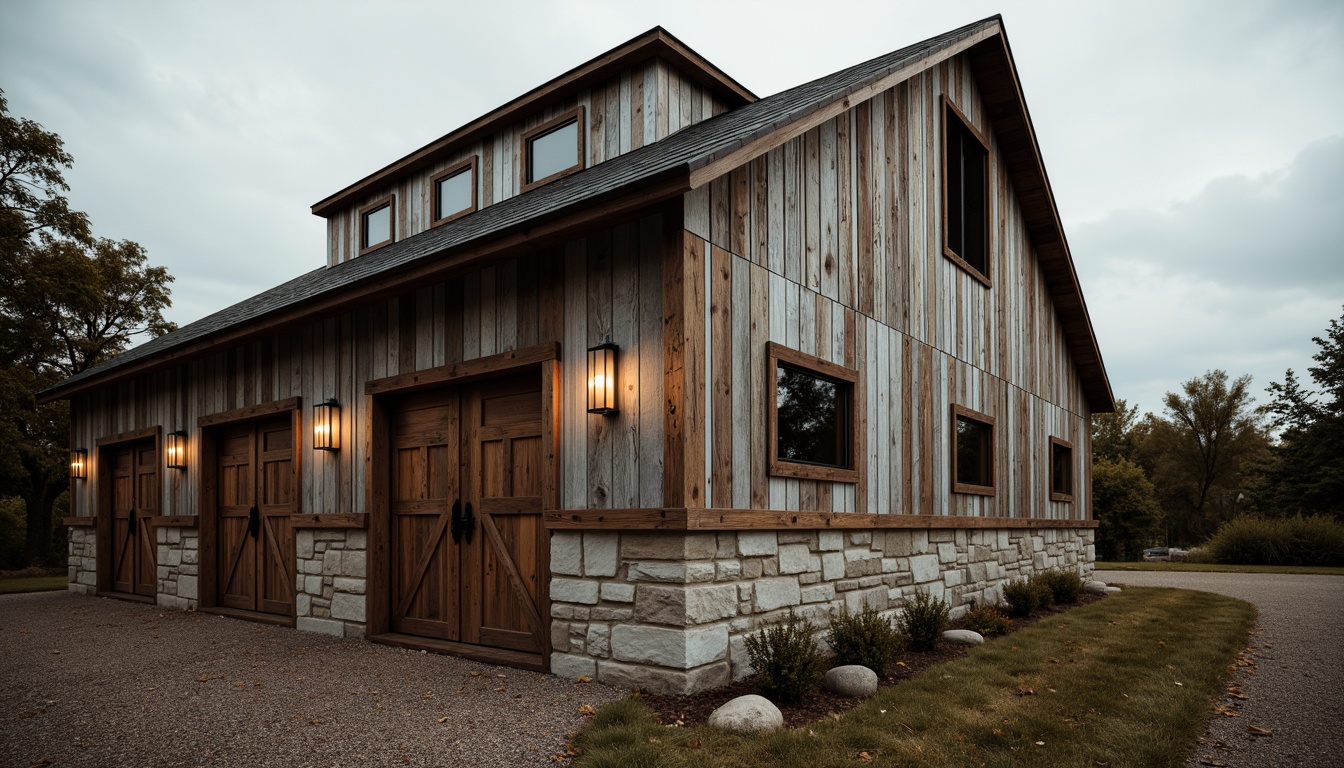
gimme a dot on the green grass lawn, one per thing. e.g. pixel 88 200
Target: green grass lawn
pixel 1219 568
pixel 33 584
pixel 1129 680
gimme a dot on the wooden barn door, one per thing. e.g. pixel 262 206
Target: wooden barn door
pixel 254 543
pixel 466 522
pixel 135 500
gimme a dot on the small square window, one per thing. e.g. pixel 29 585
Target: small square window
pixel 553 149
pixel 454 191
pixel 375 224
pixel 1061 470
pixel 965 194
pixel 972 452
pixel 812 407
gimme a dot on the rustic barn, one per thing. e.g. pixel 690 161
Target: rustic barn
pixel 610 377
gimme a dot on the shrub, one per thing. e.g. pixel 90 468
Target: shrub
pixel 1312 541
pixel 923 620
pixel 1045 596
pixel 987 620
pixel 1065 586
pixel 786 657
pixel 1022 597
pixel 864 638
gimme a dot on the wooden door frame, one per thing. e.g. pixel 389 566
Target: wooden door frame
pixel 378 394
pixel 103 522
pixel 207 532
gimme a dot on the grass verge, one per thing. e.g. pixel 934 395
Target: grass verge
pixel 33 584
pixel 1128 680
pixel 1221 568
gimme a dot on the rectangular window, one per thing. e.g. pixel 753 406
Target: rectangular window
pixel 553 149
pixel 454 191
pixel 1061 470
pixel 811 417
pixel 965 194
pixel 972 452
pixel 375 224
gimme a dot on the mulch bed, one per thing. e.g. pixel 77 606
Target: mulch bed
pixel 686 711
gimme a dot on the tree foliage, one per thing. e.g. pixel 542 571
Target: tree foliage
pixel 1116 435
pixel 1199 452
pixel 1305 473
pixel 68 301
pixel 1126 507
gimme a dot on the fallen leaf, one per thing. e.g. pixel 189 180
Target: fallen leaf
pixel 587 710
pixel 1040 743
pixel 442 720
pixel 203 678
pixel 583 679
pixel 1180 684
pixel 900 663
pixel 865 757
pixel 500 688
pixel 1259 731
pixel 694 744
pixel 1161 644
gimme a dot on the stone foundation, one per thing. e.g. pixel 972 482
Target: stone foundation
pixel 179 567
pixel 670 612
pixel 329 581
pixel 82 561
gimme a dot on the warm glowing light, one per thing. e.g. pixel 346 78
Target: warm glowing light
pixel 175 450
pixel 79 464
pixel 327 426
pixel 602 379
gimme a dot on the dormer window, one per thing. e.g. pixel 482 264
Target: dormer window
pixel 454 191
pixel 375 224
pixel 553 149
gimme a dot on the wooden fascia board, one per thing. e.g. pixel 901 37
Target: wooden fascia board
pixel 718 166
pixel 1011 120
pixel 527 236
pixel 655 43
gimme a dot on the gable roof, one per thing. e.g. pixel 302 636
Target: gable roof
pixel 661 171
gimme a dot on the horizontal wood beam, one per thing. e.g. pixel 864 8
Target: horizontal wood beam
pixel 79 521
pixel 174 521
pixel 352 521
pixel 466 370
pixel 251 412
pixel 768 519
pixel 126 437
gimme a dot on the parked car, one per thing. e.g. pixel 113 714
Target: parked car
pixel 1156 554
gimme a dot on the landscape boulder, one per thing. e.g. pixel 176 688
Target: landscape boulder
pixel 1095 587
pixel 853 680
pixel 747 714
pixel 963 637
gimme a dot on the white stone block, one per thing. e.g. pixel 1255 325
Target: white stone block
pixel 331 563
pixel 346 584
pixel 312 585
pixel 923 568
pixel 303 605
pixel 777 593
pixel 303 543
pixel 793 558
pixel 574 591
pixel 321 626
pixel 669 647
pixel 727 570
pixel 567 553
pixel 818 593
pixel 757 543
pixel 356 540
pixel 599 640
pixel 352 564
pixel 828 541
pixel 570 666
pixel 187 587
pixel 833 566
pixel 618 592
pixel 947 553
pixel 601 554
pixel 347 606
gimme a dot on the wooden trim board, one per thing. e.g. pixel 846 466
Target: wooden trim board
pixel 680 519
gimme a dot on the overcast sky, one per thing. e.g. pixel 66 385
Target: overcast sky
pixel 1196 149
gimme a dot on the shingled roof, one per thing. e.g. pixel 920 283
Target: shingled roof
pixel 663 170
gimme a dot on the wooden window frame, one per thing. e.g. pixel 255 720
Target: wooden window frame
pixel 1062 443
pixel 575 115
pixel 950 113
pixel 960 411
pixel 389 202
pixel 468 165
pixel 777 353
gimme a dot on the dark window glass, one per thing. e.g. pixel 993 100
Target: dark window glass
pixel 1061 469
pixel 967 216
pixel 813 417
pixel 975 451
pixel 453 194
pixel 377 226
pixel 554 151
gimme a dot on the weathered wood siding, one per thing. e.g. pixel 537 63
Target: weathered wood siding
pixel 622 114
pixel 832 244
pixel 604 286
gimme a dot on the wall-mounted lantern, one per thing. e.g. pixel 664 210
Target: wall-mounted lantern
pixel 175 450
pixel 602 379
pixel 327 426
pixel 79 464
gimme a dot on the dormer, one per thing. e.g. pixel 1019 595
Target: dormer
pixel 629 97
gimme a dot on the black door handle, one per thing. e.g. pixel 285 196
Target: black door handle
pixel 469 523
pixel 131 521
pixel 253 522
pixel 456 525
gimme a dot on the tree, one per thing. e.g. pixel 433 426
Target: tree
pixel 1199 452
pixel 1305 473
pixel 68 301
pixel 1126 508
pixel 1116 435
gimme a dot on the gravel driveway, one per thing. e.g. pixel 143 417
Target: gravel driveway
pixel 100 682
pixel 1295 689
